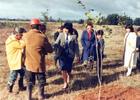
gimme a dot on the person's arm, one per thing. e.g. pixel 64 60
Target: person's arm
pixel 76 33
pixel 58 38
pixel 47 46
pixel 19 45
pixel 83 39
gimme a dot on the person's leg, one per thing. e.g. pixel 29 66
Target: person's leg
pixel 12 79
pixel 65 76
pixel 68 77
pixel 69 68
pixel 20 81
pixel 30 77
pixel 85 57
pixel 41 82
pixel 138 62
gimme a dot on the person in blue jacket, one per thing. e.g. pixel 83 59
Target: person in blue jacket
pixel 88 41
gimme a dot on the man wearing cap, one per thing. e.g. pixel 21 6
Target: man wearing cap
pixel 36 47
pixel 14 48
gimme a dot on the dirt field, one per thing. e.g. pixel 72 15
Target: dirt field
pixel 84 84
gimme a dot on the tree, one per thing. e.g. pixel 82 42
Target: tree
pixel 45 16
pixel 129 21
pixel 113 19
pixel 125 20
pixel 137 21
pixel 81 21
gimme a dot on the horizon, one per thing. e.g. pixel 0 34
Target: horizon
pixel 66 9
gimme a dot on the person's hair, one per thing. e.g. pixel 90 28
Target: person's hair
pixel 100 32
pixel 89 24
pixel 42 27
pixel 19 30
pixel 138 29
pixel 61 27
pixel 129 27
pixel 35 26
pixel 69 24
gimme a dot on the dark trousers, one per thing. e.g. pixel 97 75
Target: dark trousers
pixel 138 62
pixel 31 77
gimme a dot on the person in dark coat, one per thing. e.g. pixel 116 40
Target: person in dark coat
pixel 99 50
pixel 68 48
pixel 73 31
pixel 101 42
pixel 138 47
pixel 88 41
pixel 56 51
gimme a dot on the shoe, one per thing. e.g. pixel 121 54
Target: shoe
pixel 85 63
pixel 129 72
pixel 22 88
pixel 41 92
pixel 9 88
pixel 65 87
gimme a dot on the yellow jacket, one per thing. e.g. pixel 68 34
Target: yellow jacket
pixel 14 50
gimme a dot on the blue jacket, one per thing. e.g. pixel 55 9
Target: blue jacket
pixel 89 45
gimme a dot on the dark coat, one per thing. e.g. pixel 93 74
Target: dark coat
pixel 73 45
pixel 56 34
pixel 138 42
pixel 67 52
pixel 89 45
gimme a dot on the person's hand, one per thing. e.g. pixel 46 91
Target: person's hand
pixel 137 49
pixel 78 59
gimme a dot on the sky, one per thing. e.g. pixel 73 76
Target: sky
pixel 67 9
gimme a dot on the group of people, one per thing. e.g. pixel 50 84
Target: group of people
pixel 131 49
pixel 26 53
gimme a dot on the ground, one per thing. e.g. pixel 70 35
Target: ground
pixel 84 84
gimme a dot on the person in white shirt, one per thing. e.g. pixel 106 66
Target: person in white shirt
pixel 129 49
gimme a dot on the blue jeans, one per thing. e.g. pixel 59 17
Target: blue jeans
pixel 13 76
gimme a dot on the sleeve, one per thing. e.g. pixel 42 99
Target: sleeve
pixel 76 33
pixel 56 35
pixel 47 46
pixel 132 41
pixel 77 51
pixel 19 45
pixel 82 39
pixel 58 38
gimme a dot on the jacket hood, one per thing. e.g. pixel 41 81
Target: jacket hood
pixel 10 39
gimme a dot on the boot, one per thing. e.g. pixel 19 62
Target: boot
pixel 10 88
pixel 29 92
pixel 21 86
pixel 41 92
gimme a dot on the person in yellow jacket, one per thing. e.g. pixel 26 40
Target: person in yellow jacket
pixel 14 47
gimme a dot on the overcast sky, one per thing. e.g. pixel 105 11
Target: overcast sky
pixel 67 9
